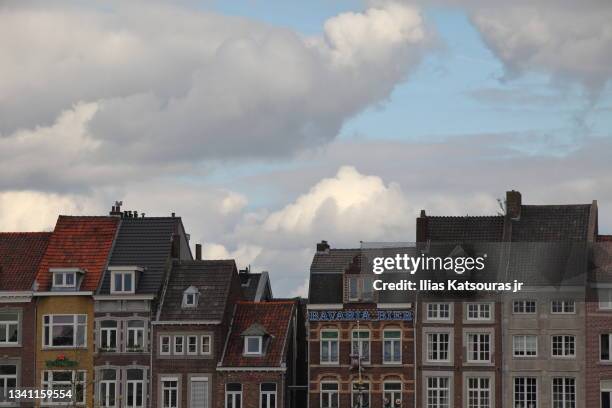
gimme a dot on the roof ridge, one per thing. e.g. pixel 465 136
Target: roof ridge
pixel 26 233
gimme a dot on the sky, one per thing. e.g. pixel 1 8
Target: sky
pixel 271 125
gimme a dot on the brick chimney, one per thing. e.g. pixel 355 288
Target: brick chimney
pixel 323 247
pixel 421 227
pixel 199 252
pixel 513 204
pixel 116 209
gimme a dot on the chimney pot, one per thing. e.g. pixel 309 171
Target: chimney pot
pixel 199 252
pixel 513 204
pixel 323 246
pixel 173 214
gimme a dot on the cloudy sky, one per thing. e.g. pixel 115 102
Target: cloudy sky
pixel 270 125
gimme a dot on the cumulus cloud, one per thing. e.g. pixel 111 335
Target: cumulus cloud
pixel 160 85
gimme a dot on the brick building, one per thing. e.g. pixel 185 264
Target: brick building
pixel 360 343
pixel 20 255
pixel 259 360
pixel 189 332
pixel 126 303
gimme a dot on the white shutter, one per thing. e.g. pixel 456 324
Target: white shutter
pixel 199 393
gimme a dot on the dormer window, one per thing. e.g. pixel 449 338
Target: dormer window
pixel 253 345
pixel 190 297
pixel 66 278
pixel 123 279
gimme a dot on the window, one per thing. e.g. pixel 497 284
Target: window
pixel 205 347
pixel 438 311
pixel 329 346
pixel 605 389
pixel 192 345
pixel 107 390
pixel 122 282
pixel 199 392
pixel 164 345
pixel 605 299
pixel 392 347
pixel 438 392
pixel 437 347
pixel 329 395
pixel 524 307
pixel 479 311
pixel 9 328
pixel 267 396
pixel 392 394
pixel 135 388
pixel 353 283
pixel 169 392
pixel 604 347
pixel 135 335
pixel 108 335
pixel 525 345
pixel 190 297
pixel 73 381
pixel 525 392
pixel 233 395
pixel 564 392
pixel 563 346
pixel 479 392
pixel 178 344
pixel 360 288
pixel 563 307
pixel 65 330
pixel 64 279
pixel 478 347
pixel 252 345
pixel 360 395
pixel 360 345
pixel 8 379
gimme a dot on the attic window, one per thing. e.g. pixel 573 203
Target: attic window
pixel 65 278
pixel 190 297
pixel 123 279
pixel 253 345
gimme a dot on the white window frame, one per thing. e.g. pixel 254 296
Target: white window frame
pixel 355 393
pixel 392 344
pixel 563 303
pixel 235 395
pixel 175 343
pixel 526 379
pixel 73 383
pixel 607 303
pixel 259 350
pixel 330 394
pixel 268 393
pixel 195 344
pixel 565 400
pixel 48 335
pixel 161 345
pixel 134 385
pixel 435 310
pixel 5 326
pixel 565 347
pixel 522 305
pixel 439 389
pixel 479 390
pixel 133 331
pixel 480 309
pixel 335 342
pixel 609 336
pixel 479 347
pixel 164 388
pixel 194 380
pixel 104 395
pixel 203 343
pixel 4 378
pixel 124 274
pixel 516 352
pixel 64 275
pixel 393 392
pixel 363 344
pixel 106 333
pixel 439 342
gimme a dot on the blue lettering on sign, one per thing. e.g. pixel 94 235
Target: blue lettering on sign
pixel 352 315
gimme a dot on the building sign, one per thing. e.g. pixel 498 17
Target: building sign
pixel 355 315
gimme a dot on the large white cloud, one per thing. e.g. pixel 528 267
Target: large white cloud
pixel 156 84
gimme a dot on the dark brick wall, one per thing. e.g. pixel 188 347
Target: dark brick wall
pixel 251 381
pixel 597 323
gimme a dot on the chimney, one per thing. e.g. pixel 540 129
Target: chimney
pixel 116 209
pixel 199 252
pixel 176 246
pixel 421 227
pixel 323 247
pixel 513 204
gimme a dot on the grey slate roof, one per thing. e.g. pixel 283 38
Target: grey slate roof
pixel 249 283
pixel 552 223
pixel 213 278
pixel 144 242
pixel 480 228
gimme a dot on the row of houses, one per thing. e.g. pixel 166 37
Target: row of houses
pixel 117 310
pixel 545 346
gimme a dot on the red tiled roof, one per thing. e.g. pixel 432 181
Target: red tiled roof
pixel 275 317
pixel 20 255
pixel 79 242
